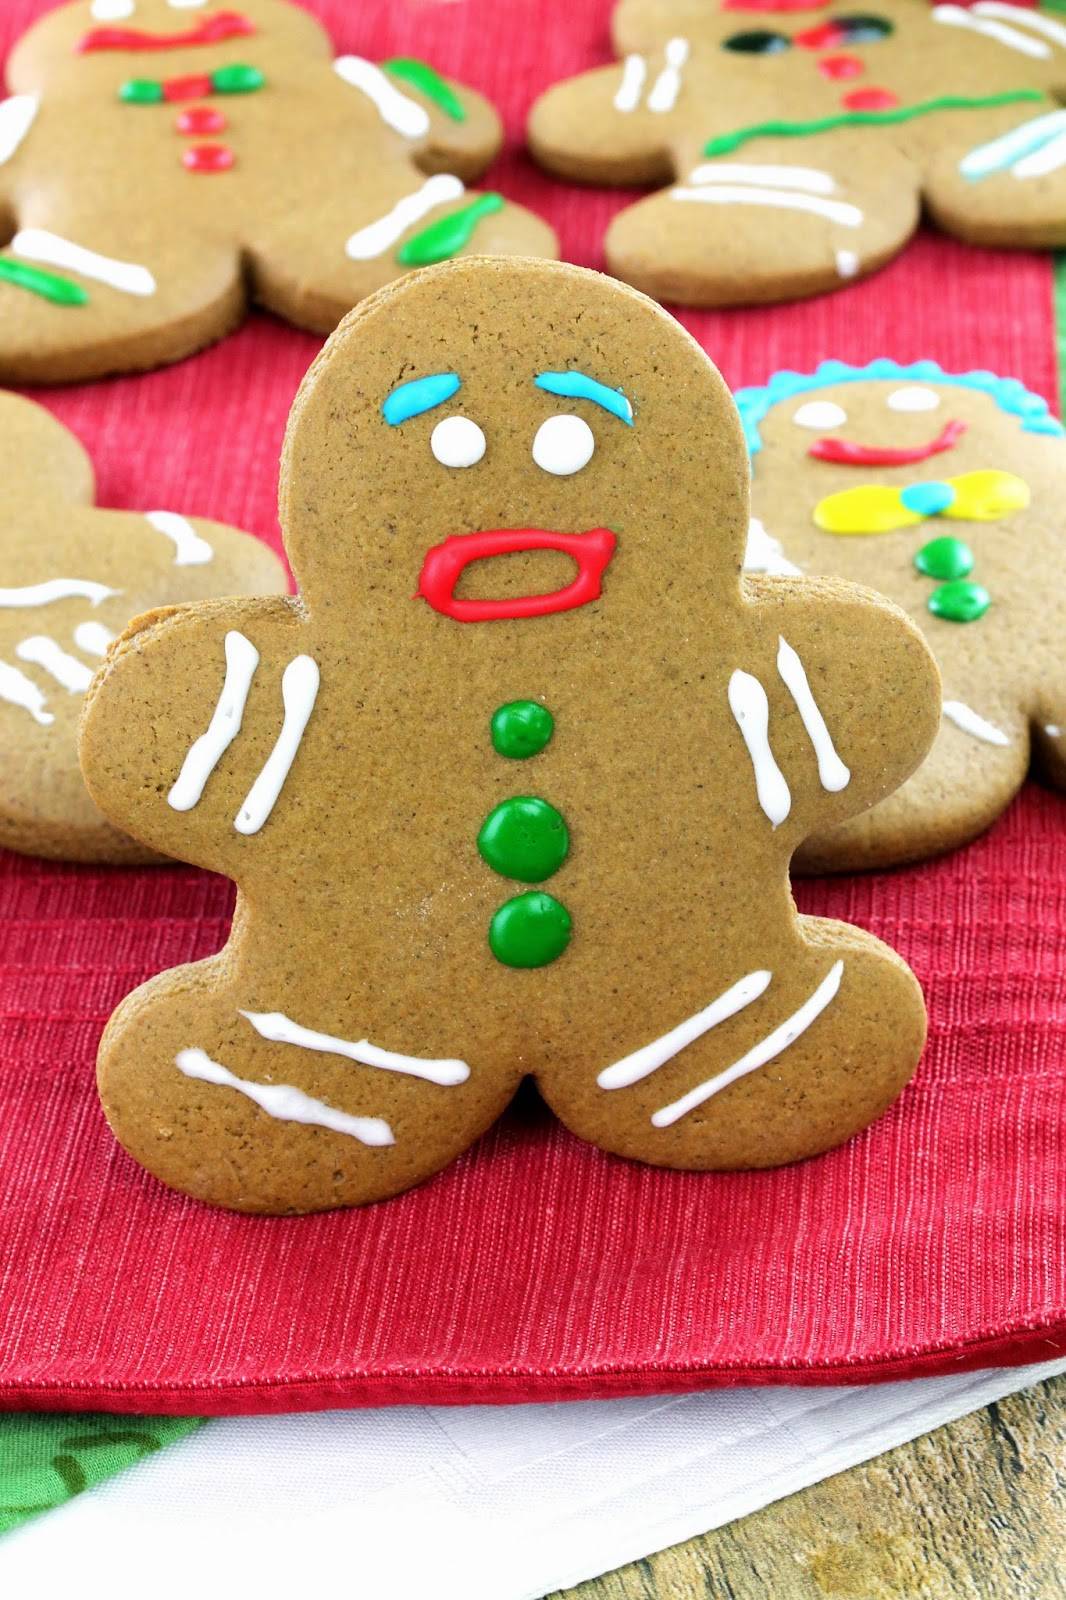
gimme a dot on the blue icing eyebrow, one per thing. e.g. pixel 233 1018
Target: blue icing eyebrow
pixel 421 394
pixel 578 386
pixel 1009 394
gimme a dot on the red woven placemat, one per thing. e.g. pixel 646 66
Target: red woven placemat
pixel 537 1268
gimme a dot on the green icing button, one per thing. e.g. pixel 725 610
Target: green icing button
pixel 530 930
pixel 238 78
pixel 521 728
pixel 946 557
pixel 959 601
pixel 449 234
pixel 421 76
pixel 141 91
pixel 524 838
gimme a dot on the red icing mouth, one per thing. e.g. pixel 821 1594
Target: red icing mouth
pixel 871 99
pixel 212 30
pixel 446 562
pixel 844 453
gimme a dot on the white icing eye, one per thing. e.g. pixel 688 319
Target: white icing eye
pixel 913 397
pixel 457 442
pixel 563 445
pixel 186 5
pixel 112 10
pixel 820 414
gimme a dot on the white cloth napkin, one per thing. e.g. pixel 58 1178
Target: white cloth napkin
pixel 475 1503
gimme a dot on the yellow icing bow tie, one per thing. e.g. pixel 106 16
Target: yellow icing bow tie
pixel 983 496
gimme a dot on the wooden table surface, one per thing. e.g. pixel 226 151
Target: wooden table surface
pixel 977 1509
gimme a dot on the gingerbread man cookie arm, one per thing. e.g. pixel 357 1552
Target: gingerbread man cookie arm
pixel 613 125
pixel 830 728
pixel 193 729
pixel 446 126
pixel 1005 183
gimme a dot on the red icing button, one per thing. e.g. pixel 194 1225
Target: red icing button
pixel 446 562
pixel 870 100
pixel 200 119
pixel 207 158
pixel 194 87
pixel 841 67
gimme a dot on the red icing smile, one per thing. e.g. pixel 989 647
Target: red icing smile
pixel 446 562
pixel 212 30
pixel 846 454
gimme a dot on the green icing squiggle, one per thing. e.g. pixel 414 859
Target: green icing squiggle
pixel 725 143
pixel 421 76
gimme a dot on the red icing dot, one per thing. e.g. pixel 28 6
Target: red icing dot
pixel 841 67
pixel 818 38
pixel 207 158
pixel 200 119
pixel 194 87
pixel 870 100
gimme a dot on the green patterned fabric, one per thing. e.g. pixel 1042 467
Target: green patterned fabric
pixel 47 1458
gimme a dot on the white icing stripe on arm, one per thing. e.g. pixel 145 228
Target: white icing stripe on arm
pixel 394 108
pixel 206 752
pixel 1023 149
pixel 16 119
pixel 964 717
pixel 629 90
pixel 760 1054
pixel 284 1102
pixel 190 550
pixel 280 1029
pixel 649 1059
pixel 751 709
pixel 299 690
pixel 376 237
pixel 833 775
pixel 809 178
pixel 67 670
pixel 664 91
pixel 93 638
pixel 43 594
pixel 764 553
pixel 36 244
pixel 1049 158
pixel 735 194
pixel 18 690
pixel 1023 43
pixel 1024 19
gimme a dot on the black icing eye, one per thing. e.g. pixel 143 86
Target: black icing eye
pixel 758 42
pixel 860 28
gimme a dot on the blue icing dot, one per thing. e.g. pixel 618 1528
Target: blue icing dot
pixel 927 499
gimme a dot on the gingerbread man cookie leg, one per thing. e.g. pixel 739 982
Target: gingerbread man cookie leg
pixel 513 786
pixel 1006 183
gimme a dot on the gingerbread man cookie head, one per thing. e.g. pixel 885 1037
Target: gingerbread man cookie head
pixel 555 421
pixel 943 490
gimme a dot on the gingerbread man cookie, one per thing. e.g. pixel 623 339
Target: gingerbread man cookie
pixel 163 162
pixel 944 491
pixel 71 577
pixel 513 786
pixel 801 141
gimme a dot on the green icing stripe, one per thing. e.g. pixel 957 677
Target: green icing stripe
pixel 1060 320
pixel 49 285
pixel 447 236
pixel 725 143
pixel 421 76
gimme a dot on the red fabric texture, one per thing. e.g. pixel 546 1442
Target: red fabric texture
pixel 537 1268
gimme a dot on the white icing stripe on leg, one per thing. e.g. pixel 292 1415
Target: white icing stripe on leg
pixel 649 1059
pixel 1023 43
pixel 751 709
pixel 377 236
pixel 284 1102
pixel 1049 158
pixel 964 717
pixel 43 594
pixel 67 670
pixel 760 1054
pixel 280 1029
pixel 18 690
pixel 190 550
pixel 729 194
pixel 404 115
pixel 808 178
pixel 629 90
pixel 1024 19
pixel 665 89
pixel 299 690
pixel 36 244
pixel 764 553
pixel 847 263
pixel 833 775
pixel 206 752
pixel 16 119
pixel 1020 148
pixel 93 638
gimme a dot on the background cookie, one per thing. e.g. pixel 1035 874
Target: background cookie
pixel 944 491
pixel 800 144
pixel 71 577
pixel 154 188
pixel 513 787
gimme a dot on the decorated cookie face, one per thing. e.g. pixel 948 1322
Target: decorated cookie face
pixel 817 131
pixel 215 116
pixel 513 787
pixel 942 491
pixel 71 576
